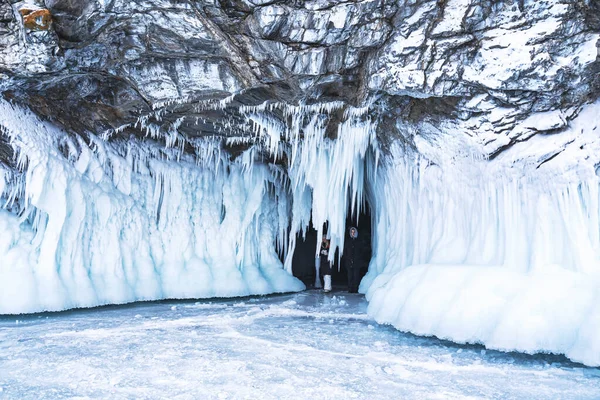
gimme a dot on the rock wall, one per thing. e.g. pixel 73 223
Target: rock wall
pixel 490 63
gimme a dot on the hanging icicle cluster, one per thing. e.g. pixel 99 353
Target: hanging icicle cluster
pixel 91 221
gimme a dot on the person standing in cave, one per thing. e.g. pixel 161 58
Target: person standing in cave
pixel 325 264
pixel 352 258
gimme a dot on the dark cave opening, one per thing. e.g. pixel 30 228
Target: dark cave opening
pixel 303 262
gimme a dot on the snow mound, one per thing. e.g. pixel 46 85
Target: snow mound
pixel 556 311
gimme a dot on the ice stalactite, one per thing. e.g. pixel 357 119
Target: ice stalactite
pixel 505 253
pixel 118 224
pixel 326 174
pixel 470 255
pixel 92 221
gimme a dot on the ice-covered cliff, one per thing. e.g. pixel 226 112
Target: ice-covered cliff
pixel 153 149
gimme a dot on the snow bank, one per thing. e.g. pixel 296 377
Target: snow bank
pixel 555 311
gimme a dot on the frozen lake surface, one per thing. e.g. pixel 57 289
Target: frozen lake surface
pixel 306 345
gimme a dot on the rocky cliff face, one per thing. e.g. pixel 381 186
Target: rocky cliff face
pixel 497 71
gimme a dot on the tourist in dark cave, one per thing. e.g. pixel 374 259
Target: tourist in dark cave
pixel 353 259
pixel 325 264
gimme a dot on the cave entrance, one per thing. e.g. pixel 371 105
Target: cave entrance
pixel 303 261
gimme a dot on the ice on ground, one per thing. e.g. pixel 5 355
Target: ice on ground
pixel 305 345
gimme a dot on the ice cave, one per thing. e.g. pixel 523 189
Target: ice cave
pixel 160 150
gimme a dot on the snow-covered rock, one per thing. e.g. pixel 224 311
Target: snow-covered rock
pixel 546 121
pixel 119 60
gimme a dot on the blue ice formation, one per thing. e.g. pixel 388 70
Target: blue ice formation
pixel 504 253
pixel 492 253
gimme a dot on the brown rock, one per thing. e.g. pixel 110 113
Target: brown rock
pixel 36 20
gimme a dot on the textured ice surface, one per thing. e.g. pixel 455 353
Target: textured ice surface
pixel 120 224
pixel 504 253
pixel 553 311
pixel 511 261
pixel 299 346
pixel 92 222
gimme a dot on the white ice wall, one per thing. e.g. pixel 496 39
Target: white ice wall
pixel 104 223
pixel 480 252
pixel 118 224
pixel 505 253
